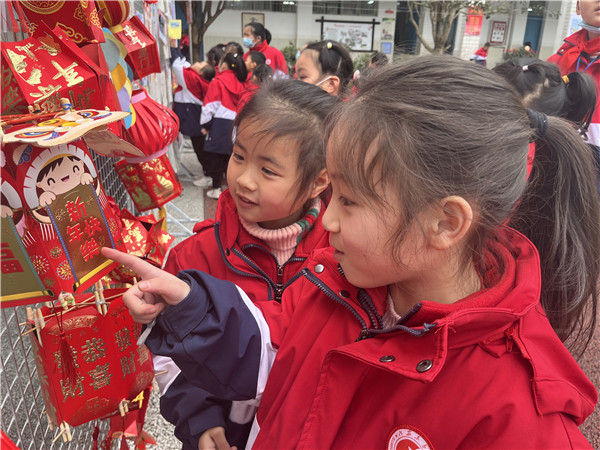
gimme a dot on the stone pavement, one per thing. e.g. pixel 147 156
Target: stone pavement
pixel 194 203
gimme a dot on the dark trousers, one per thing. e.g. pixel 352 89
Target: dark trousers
pixel 216 166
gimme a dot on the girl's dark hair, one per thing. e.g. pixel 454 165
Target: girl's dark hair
pixel 214 55
pixel 262 72
pixel 437 126
pixel 235 62
pixel 296 111
pixel 257 57
pixel 379 59
pixel 208 72
pixel 259 30
pixel 333 59
pixel 234 47
pixel 543 89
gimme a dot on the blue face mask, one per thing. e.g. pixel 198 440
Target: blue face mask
pixel 297 55
pixel 247 42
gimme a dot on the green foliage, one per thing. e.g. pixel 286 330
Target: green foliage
pixel 289 53
pixel 361 61
pixel 518 53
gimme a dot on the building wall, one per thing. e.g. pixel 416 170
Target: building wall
pixel 295 28
pixel 301 27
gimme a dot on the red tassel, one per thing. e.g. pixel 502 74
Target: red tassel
pixel 124 445
pixel 95 436
pixel 67 361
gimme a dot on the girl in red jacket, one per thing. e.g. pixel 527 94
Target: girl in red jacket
pixel 218 112
pixel 266 225
pixel 436 318
pixel 256 39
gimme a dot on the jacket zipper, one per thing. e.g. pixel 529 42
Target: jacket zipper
pixel 332 295
pixel 270 286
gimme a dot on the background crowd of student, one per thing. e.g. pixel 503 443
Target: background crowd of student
pixel 354 300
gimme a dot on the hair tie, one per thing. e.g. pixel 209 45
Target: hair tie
pixel 565 79
pixel 525 68
pixel 232 65
pixel 235 55
pixel 329 45
pixel 538 122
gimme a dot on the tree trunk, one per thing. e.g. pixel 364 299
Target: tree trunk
pixel 442 15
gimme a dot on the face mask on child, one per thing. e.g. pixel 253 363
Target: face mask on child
pixel 322 81
pixel 247 42
pixel 589 27
pixel 297 55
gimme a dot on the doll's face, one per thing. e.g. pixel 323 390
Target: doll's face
pixel 589 11
pixel 65 176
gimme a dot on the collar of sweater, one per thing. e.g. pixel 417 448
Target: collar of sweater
pixel 283 241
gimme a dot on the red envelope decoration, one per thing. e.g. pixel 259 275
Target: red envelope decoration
pixel 151 184
pixel 142 51
pixel 79 18
pixel 41 70
pixel 89 362
pixel 20 283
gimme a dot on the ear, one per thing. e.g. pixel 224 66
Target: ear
pixel 578 9
pixel 449 222
pixel 332 85
pixel 321 183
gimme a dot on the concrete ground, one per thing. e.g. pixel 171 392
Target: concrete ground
pixel 195 205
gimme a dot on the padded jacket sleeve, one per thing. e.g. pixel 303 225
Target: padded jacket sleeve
pixel 222 346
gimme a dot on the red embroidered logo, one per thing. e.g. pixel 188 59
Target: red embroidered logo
pixel 407 437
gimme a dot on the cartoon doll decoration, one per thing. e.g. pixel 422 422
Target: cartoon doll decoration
pixel 68 217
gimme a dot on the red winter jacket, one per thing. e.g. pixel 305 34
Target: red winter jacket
pixel 485 372
pixel 574 56
pixel 274 59
pixel 223 248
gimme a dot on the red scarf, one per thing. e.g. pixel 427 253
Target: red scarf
pixel 580 45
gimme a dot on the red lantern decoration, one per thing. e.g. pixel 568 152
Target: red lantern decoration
pixel 88 361
pixel 115 12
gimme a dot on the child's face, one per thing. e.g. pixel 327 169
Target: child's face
pixel 589 11
pixel 363 238
pixel 306 68
pixel 63 177
pixel 263 176
pixel 250 65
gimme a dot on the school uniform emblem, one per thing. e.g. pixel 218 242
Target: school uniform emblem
pixel 407 437
pixel 268 61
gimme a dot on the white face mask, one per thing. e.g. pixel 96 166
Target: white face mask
pixel 323 81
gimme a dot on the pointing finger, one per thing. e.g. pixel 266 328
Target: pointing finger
pixel 142 268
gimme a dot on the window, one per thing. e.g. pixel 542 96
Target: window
pixel 346 8
pixel 273 6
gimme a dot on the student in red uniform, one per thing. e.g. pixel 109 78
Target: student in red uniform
pixel 192 85
pixel 218 113
pixel 266 225
pixel 480 56
pixel 581 53
pixel 261 74
pixel 326 64
pixel 256 39
pixel 436 318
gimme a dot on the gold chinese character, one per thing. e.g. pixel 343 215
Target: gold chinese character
pixel 35 77
pixel 100 377
pixel 123 339
pixel 18 61
pixel 70 390
pixel 93 350
pixel 46 91
pixel 68 73
pixel 128 364
pixel 25 48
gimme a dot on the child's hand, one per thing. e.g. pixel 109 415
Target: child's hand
pixel 157 290
pixel 214 439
